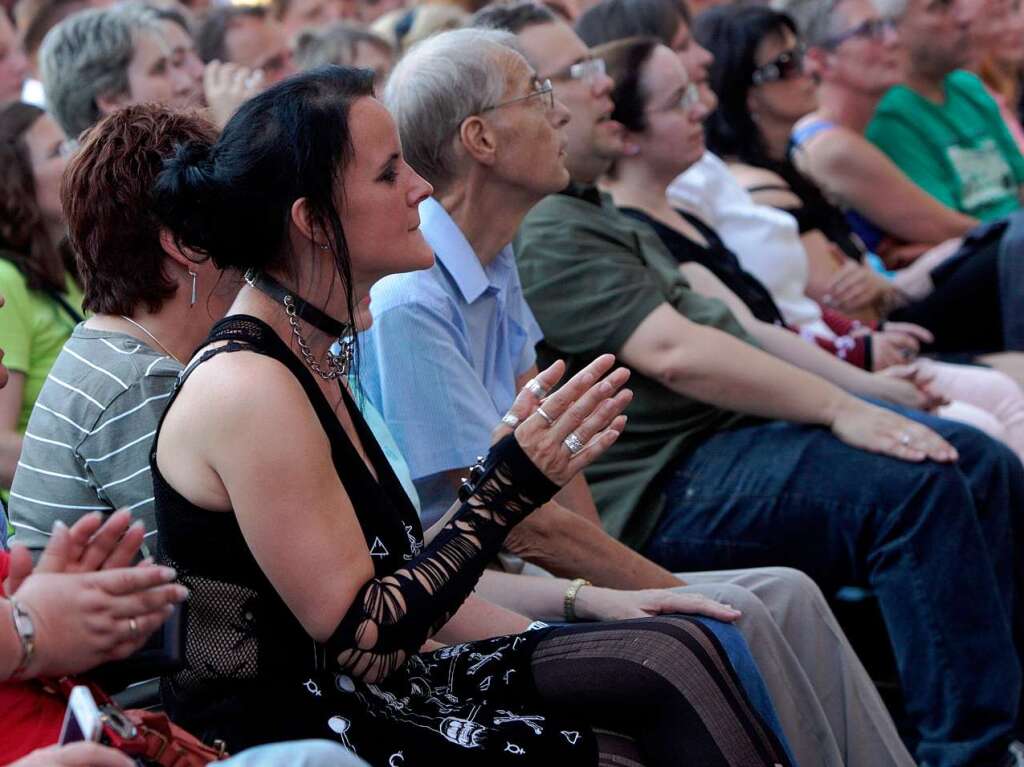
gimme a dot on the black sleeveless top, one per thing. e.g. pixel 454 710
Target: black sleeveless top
pixel 717 259
pixel 252 675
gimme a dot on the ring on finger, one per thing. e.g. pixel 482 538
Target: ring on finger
pixel 536 389
pixel 905 439
pixel 510 420
pixel 133 627
pixel 545 416
pixel 574 443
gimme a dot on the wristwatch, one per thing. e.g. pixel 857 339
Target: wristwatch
pixel 26 631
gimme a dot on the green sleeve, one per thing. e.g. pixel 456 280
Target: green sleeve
pixel 904 145
pixel 585 284
pixel 15 319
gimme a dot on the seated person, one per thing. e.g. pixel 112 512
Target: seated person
pixel 721 463
pixel 755 145
pixel 940 126
pixel 152 304
pixel 855 56
pixel 37 271
pixel 347 651
pixel 474 350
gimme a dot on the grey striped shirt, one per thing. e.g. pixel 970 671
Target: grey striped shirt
pixel 88 440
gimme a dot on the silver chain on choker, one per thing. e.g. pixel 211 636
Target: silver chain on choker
pixel 337 364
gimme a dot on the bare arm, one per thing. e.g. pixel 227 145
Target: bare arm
pixel 794 350
pixel 851 169
pixel 10 439
pixel 712 366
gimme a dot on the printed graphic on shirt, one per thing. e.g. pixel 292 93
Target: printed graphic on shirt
pixel 984 174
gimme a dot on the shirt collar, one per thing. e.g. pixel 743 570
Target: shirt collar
pixel 586 192
pixel 452 250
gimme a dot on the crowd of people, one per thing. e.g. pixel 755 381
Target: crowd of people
pixel 515 382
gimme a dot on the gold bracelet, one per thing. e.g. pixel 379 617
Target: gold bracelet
pixel 570 598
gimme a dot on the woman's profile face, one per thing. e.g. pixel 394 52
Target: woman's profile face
pixel 674 113
pixel 45 141
pixel 790 97
pixel 380 206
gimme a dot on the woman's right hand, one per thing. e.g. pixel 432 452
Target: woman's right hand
pixel 588 406
pixel 868 427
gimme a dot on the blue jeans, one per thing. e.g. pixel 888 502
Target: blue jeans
pixel 749 674
pixel 935 542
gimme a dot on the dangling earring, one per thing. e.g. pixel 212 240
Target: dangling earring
pixel 194 294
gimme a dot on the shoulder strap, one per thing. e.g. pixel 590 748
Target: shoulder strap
pixel 63 303
pixel 808 131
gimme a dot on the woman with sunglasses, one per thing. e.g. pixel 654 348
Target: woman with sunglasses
pixel 763 90
pixel 37 270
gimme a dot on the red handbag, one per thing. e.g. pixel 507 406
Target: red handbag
pixel 146 735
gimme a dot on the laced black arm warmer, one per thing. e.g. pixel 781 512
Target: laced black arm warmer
pixel 391 617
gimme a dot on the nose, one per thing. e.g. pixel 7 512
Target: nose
pixel 602 85
pixel 699 112
pixel 419 190
pixel 703 56
pixel 560 115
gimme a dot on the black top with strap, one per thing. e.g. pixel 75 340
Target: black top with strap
pixel 253 675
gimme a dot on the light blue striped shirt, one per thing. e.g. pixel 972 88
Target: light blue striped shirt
pixel 442 357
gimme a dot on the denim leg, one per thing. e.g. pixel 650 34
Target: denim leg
pixel 934 542
pixel 736 648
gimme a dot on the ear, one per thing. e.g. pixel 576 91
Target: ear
pixel 108 103
pixel 479 140
pixel 816 63
pixel 186 257
pixel 302 218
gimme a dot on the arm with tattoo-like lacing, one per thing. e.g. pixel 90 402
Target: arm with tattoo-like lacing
pixel 392 616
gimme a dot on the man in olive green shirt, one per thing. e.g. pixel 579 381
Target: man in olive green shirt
pixel 942 128
pixel 733 457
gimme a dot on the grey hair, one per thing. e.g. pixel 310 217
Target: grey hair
pixel 335 44
pixel 438 84
pixel 87 56
pixel 816 19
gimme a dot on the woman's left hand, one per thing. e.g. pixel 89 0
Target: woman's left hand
pixel 601 604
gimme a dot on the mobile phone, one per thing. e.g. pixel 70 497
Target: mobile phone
pixel 82 720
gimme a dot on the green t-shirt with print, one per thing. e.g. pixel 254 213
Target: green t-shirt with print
pixel 592 275
pixel 960 151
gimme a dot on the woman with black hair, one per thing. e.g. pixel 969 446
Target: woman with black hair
pixel 314 595
pixel 763 90
pixel 37 270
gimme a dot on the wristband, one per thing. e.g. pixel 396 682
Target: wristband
pixel 26 631
pixel 570 598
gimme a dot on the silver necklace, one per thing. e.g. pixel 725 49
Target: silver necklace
pixel 155 339
pixel 337 364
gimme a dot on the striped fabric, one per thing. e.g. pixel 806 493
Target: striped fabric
pixel 87 444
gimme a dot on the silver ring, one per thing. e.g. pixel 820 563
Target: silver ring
pixel 574 444
pixel 545 416
pixel 905 439
pixel 510 420
pixel 533 386
pixel 133 627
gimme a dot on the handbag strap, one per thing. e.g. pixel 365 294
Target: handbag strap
pixel 63 303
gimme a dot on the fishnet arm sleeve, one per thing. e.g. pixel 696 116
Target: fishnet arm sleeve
pixel 392 616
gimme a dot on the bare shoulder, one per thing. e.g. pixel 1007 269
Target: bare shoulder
pixel 765 186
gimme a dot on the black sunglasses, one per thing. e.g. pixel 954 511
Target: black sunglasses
pixel 788 65
pixel 872 29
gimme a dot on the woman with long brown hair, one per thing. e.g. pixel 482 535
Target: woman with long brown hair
pixel 37 274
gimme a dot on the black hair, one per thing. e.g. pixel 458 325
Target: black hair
pixel 232 201
pixel 511 17
pixel 732 35
pixel 626 60
pixel 616 19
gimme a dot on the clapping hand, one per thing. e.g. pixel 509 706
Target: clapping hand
pixel 566 430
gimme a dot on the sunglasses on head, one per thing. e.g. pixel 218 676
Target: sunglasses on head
pixel 788 65
pixel 872 29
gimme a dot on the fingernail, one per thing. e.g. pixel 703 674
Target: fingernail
pixel 58 525
pixel 138 524
pixel 181 593
pixel 169 573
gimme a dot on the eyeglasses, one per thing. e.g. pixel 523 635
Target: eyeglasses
pixel 689 98
pixel 872 29
pixel 544 89
pixel 788 65
pixel 587 70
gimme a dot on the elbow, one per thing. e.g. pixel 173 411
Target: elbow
pixel 532 539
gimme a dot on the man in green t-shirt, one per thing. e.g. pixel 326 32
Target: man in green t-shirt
pixel 734 457
pixel 942 128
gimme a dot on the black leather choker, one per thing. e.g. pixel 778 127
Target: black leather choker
pixel 291 302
